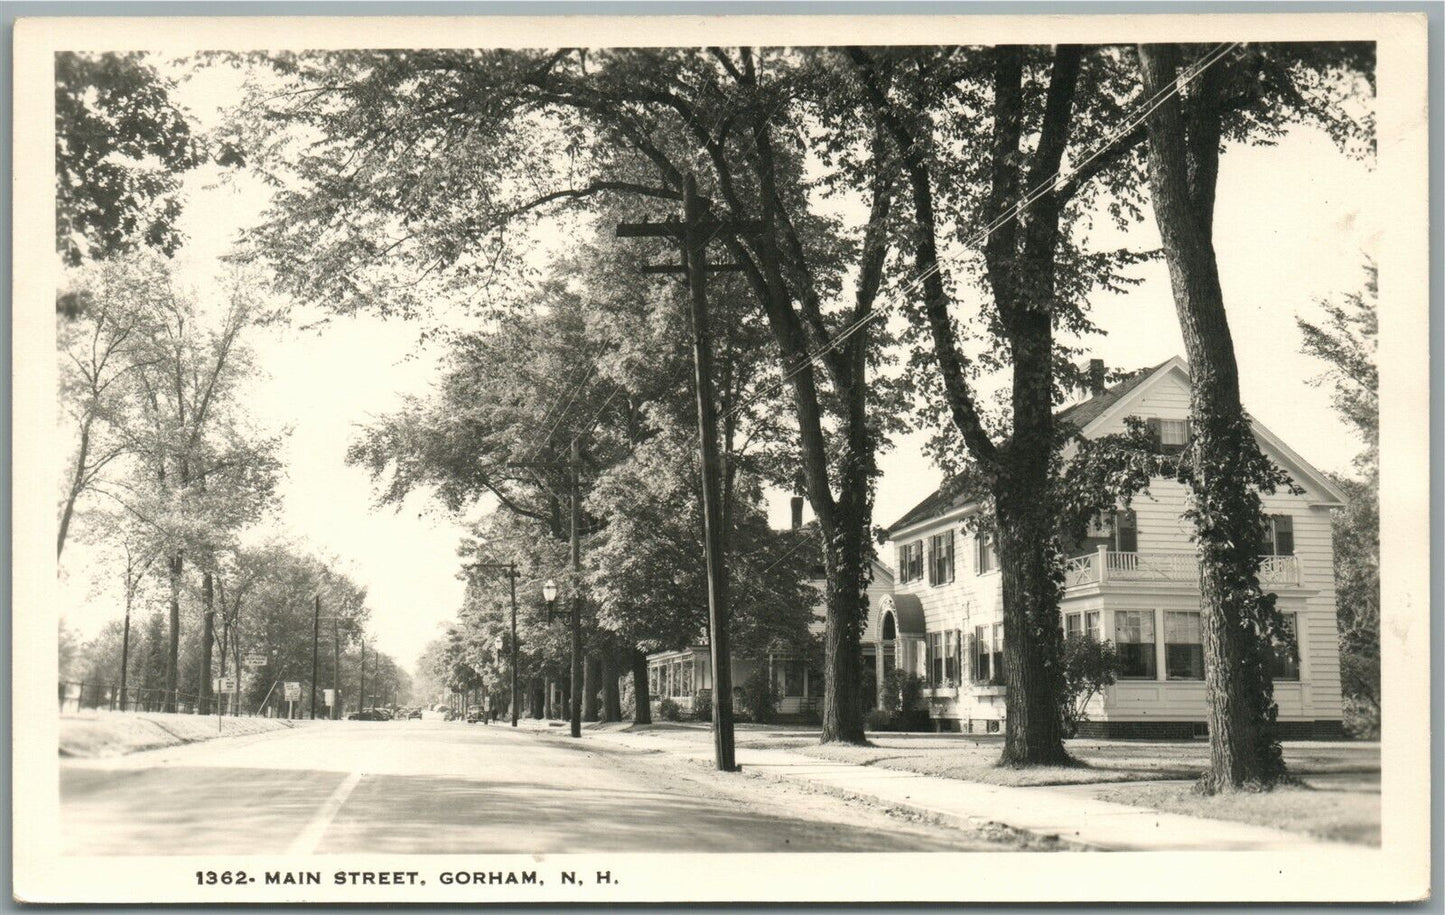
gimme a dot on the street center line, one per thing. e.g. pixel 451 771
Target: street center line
pixel 310 837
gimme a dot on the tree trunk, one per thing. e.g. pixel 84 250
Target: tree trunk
pixel 539 698
pixel 173 636
pixel 848 563
pixel 208 635
pixel 591 670
pixel 642 711
pixel 77 483
pixel 1223 458
pixel 611 695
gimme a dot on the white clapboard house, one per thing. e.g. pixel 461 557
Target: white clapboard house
pixel 1134 583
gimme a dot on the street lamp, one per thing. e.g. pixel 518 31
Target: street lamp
pixel 549 594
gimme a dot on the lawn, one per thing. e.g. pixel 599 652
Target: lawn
pixel 91 734
pixel 975 758
pixel 1341 808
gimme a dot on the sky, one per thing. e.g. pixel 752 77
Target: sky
pixel 1294 224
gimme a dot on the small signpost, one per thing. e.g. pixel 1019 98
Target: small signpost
pixel 254 661
pixel 293 694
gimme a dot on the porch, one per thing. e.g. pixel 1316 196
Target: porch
pixel 1106 566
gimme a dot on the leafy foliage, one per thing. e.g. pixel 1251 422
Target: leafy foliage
pixel 1089 666
pixel 121 145
pixel 1347 342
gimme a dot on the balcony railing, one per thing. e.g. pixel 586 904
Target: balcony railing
pixel 1108 565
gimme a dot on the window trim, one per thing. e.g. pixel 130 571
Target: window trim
pixel 1299 664
pixel 984 554
pixel 1152 655
pixel 1198 623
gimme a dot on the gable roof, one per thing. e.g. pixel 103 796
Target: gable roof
pixel 950 495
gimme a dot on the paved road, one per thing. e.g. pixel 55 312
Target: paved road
pixel 431 787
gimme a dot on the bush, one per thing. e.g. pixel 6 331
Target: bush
pixel 760 697
pixel 668 710
pixel 702 705
pixel 1088 667
pixel 878 720
pixel 902 695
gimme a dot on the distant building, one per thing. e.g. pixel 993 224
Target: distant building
pixel 1135 582
pixel 679 675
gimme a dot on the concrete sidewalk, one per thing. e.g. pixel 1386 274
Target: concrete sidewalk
pixel 1044 811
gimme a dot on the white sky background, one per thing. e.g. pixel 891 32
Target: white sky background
pixel 1294 223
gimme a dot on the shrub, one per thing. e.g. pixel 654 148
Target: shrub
pixel 1088 667
pixel 702 705
pixel 760 697
pixel 878 720
pixel 902 693
pixel 668 710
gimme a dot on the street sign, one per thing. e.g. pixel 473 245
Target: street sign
pixel 329 697
pixel 225 684
pixel 293 691
pixel 254 661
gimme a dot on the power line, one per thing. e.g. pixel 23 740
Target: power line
pixel 1038 192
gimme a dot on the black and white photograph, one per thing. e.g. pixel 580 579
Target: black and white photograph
pixel 721 459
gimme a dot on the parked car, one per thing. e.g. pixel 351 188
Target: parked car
pixel 414 713
pixel 366 714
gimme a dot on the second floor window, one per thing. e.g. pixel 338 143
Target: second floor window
pixel 940 558
pixel 1134 637
pixel 1279 536
pixel 1171 435
pixel 984 559
pixel 910 561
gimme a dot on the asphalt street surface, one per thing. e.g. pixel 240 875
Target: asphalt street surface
pixel 433 787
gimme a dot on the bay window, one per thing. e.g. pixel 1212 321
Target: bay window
pixel 1183 647
pixel 1073 625
pixel 1135 640
pixel 1091 625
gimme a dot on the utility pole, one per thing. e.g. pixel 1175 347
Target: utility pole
pixel 336 667
pixel 315 638
pixel 693 235
pixel 512 580
pixel 361 687
pixel 576 546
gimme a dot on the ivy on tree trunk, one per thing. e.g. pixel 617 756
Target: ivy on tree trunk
pixel 1222 464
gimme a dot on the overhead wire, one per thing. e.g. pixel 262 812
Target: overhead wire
pixel 1044 187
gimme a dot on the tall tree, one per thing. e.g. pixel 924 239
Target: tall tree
pixel 1223 465
pixel 522 130
pixel 1346 342
pixel 999 178
pixel 121 144
pixel 198 470
pixel 118 304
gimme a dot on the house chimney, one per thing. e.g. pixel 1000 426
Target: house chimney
pixel 1096 376
pixel 797 512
